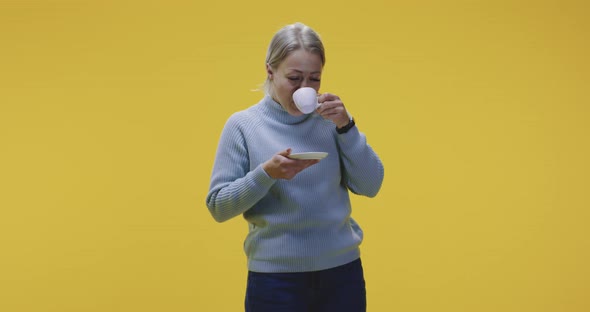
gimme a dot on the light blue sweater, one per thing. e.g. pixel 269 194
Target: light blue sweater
pixel 296 225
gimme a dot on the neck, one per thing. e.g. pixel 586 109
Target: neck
pixel 276 111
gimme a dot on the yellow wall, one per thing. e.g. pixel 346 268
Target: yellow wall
pixel 110 113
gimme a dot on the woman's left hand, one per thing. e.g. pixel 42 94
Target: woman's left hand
pixel 333 109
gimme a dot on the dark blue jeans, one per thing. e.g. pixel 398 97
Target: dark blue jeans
pixel 340 289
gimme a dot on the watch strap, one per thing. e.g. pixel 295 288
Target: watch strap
pixel 347 127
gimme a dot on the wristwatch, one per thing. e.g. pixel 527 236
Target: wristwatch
pixel 347 127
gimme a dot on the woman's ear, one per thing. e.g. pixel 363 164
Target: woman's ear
pixel 269 71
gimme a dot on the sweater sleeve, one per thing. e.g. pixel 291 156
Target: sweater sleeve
pixel 363 171
pixel 234 188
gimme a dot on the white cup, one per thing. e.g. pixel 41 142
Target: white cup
pixel 306 100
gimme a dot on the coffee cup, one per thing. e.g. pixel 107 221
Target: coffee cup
pixel 306 99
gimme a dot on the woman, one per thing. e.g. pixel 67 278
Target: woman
pixel 303 246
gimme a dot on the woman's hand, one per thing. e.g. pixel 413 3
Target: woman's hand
pixel 282 167
pixel 333 109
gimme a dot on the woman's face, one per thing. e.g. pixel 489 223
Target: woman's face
pixel 299 69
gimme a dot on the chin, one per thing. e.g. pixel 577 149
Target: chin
pixel 295 113
pixel 293 110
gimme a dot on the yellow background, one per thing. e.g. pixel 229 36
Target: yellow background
pixel 110 112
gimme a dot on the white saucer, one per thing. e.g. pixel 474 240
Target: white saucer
pixel 308 155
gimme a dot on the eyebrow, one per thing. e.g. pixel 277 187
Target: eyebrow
pixel 315 72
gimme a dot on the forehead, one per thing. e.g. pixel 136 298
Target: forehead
pixel 302 61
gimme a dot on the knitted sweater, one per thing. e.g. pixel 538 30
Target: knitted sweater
pixel 296 225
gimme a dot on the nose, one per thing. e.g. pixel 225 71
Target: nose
pixel 305 83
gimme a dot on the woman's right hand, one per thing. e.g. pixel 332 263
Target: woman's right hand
pixel 282 167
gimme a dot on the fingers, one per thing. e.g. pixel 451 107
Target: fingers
pixel 291 167
pixel 333 109
pixel 282 167
pixel 285 153
pixel 327 97
pixel 327 111
pixel 330 104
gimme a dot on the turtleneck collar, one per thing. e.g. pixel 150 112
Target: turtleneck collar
pixel 277 112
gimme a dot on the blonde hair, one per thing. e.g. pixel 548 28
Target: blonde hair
pixel 292 38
